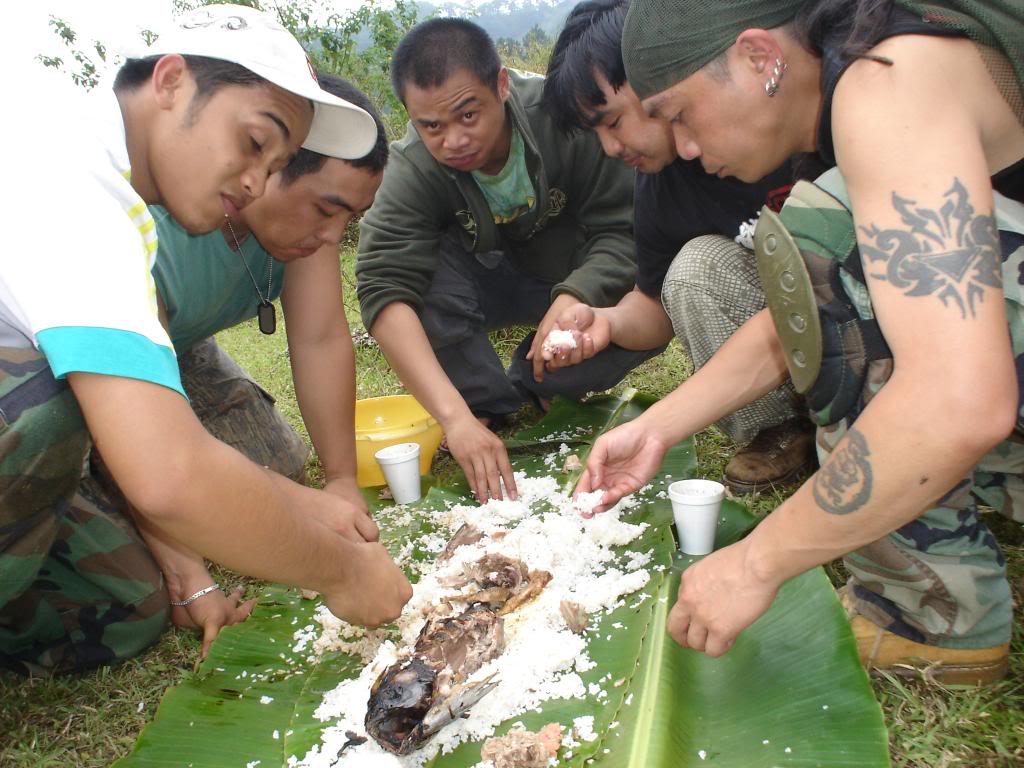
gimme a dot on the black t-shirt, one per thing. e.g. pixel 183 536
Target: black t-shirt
pixel 1010 181
pixel 683 202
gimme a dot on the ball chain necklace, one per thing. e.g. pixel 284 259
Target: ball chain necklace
pixel 266 316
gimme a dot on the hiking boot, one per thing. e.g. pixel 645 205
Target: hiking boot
pixel 778 456
pixel 883 651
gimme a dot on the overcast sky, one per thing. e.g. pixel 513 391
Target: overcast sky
pixel 26 32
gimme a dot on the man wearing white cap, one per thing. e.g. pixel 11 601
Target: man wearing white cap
pixel 217 105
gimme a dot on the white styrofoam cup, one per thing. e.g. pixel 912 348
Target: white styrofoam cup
pixel 696 505
pixel 401 466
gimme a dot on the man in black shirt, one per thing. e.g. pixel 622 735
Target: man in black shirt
pixel 696 276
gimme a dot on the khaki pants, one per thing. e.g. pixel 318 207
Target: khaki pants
pixel 710 290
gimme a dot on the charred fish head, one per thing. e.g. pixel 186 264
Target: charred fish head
pixel 415 697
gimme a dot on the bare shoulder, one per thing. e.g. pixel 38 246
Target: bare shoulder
pixel 324 262
pixel 917 67
pixel 312 290
pixel 934 87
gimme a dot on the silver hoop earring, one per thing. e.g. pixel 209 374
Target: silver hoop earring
pixel 772 86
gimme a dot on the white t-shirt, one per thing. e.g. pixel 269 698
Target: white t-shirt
pixel 75 266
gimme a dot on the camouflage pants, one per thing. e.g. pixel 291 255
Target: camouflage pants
pixel 710 290
pixel 237 411
pixel 941 578
pixel 78 587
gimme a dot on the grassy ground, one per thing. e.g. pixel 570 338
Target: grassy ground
pixel 90 720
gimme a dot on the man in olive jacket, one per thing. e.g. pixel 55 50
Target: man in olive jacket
pixel 488 216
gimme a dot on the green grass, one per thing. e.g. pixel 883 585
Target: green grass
pixel 90 720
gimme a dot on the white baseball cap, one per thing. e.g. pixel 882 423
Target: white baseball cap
pixel 257 41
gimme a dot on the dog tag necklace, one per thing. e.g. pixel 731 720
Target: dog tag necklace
pixel 266 316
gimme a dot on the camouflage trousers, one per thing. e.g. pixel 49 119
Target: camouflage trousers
pixel 710 290
pixel 78 587
pixel 941 578
pixel 238 411
pixel 235 410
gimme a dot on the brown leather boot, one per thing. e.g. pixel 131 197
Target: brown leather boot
pixel 883 651
pixel 778 456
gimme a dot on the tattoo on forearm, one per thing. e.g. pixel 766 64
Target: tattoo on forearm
pixel 843 484
pixel 948 252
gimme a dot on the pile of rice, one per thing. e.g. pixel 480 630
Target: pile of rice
pixel 543 658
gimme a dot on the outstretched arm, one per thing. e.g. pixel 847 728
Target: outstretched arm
pixel 749 365
pixel 323 367
pixel 480 452
pixel 174 473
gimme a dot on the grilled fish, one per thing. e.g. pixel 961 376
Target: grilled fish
pixel 427 688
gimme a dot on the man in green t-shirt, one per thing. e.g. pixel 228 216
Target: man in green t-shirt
pixel 488 216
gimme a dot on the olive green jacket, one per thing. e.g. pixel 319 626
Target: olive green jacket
pixel 578 235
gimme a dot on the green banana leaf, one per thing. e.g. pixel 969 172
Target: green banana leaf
pixel 791 691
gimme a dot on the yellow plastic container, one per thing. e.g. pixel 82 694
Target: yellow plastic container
pixel 384 421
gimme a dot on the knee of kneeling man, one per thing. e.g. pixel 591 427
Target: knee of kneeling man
pixel 705 260
pixel 446 325
pixel 155 606
pixel 143 625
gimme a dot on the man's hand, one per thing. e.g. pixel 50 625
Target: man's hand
pixel 378 593
pixel 483 458
pixel 347 490
pixel 342 515
pixel 355 510
pixel 620 462
pixel 210 613
pixel 718 598
pixel 547 324
pixel 591 330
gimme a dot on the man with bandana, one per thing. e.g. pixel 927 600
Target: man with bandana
pixel 696 275
pixel 895 304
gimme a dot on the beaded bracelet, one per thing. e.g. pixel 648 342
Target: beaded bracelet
pixel 192 598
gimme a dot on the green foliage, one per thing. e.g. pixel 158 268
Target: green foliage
pixel 357 46
pixel 530 54
pixel 252 699
pixel 84 70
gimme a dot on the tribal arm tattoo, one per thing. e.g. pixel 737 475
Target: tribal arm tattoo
pixel 948 252
pixel 843 484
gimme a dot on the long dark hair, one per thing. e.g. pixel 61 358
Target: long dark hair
pixel 857 25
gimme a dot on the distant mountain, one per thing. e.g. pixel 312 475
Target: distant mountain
pixel 506 18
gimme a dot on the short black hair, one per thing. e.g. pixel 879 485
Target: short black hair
pixel 210 76
pixel 308 161
pixel 590 41
pixel 433 51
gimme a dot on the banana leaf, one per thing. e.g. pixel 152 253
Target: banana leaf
pixel 790 692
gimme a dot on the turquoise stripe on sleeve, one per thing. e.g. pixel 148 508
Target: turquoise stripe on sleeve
pixel 114 352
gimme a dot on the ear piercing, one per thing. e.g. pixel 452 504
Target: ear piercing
pixel 772 86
